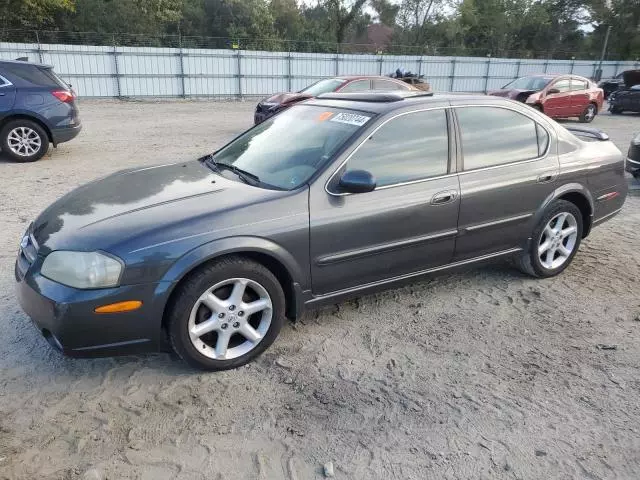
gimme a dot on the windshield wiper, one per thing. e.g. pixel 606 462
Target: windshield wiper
pixel 246 177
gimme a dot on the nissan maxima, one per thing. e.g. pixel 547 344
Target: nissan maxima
pixel 332 198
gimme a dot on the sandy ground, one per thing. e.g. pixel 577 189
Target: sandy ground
pixel 482 374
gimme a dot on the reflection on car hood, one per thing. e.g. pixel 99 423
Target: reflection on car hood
pixel 126 204
pixel 286 97
pixel 509 93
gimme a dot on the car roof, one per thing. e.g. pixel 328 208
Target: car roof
pixel 383 102
pixel 21 62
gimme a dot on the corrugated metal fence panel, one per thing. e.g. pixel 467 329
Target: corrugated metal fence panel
pixel 107 71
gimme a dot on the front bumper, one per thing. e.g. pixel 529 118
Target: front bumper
pixel 61 135
pixel 632 166
pixel 66 317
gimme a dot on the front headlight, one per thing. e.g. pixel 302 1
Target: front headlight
pixel 82 269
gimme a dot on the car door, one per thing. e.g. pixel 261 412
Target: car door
pixel 406 225
pixel 579 96
pixel 558 104
pixel 508 170
pixel 7 95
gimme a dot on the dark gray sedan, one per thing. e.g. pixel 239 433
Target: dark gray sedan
pixel 332 198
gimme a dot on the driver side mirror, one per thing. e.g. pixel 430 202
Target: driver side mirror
pixel 551 91
pixel 357 181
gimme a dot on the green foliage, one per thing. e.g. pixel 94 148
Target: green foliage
pixel 523 28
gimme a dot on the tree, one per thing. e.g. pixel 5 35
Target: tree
pixel 415 16
pixel 342 13
pixel 31 14
pixel 387 11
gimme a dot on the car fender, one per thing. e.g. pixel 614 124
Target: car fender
pixel 225 246
pixel 559 192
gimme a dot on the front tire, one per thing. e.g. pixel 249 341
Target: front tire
pixel 226 314
pixel 589 114
pixel 24 141
pixel 554 242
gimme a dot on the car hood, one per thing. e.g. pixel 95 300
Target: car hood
pixel 510 93
pixel 133 209
pixel 286 98
pixel 631 78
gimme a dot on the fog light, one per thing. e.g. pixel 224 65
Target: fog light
pixel 119 307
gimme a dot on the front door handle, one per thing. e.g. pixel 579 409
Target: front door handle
pixel 444 197
pixel 546 177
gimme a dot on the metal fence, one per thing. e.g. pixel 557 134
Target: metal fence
pixel 133 71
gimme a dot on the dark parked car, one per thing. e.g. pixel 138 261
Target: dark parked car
pixel 627 99
pixel 610 85
pixel 348 84
pixel 36 108
pixel 558 96
pixel 633 157
pixel 341 195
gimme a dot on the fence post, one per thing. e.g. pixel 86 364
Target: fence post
pixel 181 56
pixel 546 65
pixel 593 73
pixel 617 68
pixel 380 60
pixel 518 70
pixel 453 74
pixel 289 77
pixel 238 62
pixel 117 70
pixel 420 66
pixel 573 63
pixel 486 76
pixel 39 48
pixel 337 59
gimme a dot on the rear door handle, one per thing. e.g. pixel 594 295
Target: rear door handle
pixel 444 197
pixel 546 177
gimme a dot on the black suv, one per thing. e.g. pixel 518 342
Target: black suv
pixel 36 108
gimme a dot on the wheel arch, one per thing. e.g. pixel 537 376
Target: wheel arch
pixel 269 254
pixel 32 118
pixel 579 196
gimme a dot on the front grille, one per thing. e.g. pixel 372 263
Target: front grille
pixel 27 253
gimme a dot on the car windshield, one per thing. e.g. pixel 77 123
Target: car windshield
pixel 323 86
pixel 284 151
pixel 529 83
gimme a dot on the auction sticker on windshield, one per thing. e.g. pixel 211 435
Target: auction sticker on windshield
pixel 351 119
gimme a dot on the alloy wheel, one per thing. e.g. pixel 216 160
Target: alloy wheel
pixel 24 141
pixel 590 113
pixel 558 240
pixel 230 319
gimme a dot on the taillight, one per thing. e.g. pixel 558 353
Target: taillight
pixel 64 95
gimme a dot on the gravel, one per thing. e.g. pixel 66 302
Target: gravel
pixel 467 375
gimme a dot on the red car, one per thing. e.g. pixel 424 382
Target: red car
pixel 558 96
pixel 275 103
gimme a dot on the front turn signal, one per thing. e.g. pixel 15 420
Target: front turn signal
pixel 127 306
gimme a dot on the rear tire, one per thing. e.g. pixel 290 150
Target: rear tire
pixel 554 242
pixel 589 113
pixel 24 141
pixel 226 314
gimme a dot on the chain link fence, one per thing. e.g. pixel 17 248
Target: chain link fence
pixel 126 65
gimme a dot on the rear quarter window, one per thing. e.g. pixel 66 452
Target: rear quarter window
pixel 34 75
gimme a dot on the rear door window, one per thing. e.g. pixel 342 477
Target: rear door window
pixel 577 84
pixel 379 84
pixel 357 86
pixel 494 136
